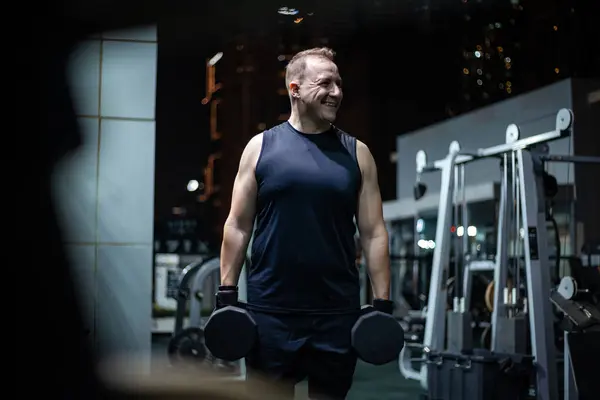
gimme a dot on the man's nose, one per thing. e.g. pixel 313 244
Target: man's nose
pixel 336 91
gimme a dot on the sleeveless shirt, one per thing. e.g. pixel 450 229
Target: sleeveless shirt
pixel 303 250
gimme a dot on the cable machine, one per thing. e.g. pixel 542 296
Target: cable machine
pixel 522 317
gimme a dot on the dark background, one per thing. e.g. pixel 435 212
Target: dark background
pixel 405 65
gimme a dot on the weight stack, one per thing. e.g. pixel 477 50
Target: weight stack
pixel 480 375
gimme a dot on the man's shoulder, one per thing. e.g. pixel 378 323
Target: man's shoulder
pixel 255 144
pixel 284 126
pixel 256 141
pixel 360 145
pixel 342 133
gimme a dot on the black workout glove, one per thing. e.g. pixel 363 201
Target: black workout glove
pixel 227 296
pixel 384 306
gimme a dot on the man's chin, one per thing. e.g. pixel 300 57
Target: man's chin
pixel 329 117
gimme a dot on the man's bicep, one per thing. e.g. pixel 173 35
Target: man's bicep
pixel 243 197
pixel 369 214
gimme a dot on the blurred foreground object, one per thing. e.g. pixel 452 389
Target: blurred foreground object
pixel 127 379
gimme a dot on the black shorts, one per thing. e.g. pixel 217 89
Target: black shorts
pixel 292 348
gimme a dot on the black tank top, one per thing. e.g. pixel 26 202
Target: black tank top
pixel 303 251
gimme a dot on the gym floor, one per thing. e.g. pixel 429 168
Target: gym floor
pixel 382 383
pixel 370 382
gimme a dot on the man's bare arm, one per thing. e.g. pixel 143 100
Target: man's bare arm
pixel 371 226
pixel 240 221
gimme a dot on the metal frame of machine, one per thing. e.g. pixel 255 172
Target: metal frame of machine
pixel 523 159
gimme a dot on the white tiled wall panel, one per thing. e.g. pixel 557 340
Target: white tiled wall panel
pixel 128 80
pixel 123 303
pixel 105 189
pixel 126 182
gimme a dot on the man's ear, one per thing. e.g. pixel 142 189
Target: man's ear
pixel 294 89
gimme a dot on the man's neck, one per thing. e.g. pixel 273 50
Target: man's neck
pixel 308 126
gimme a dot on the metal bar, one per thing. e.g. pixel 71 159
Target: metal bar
pixel 571 159
pixel 416 264
pixel 499 149
pixel 455 240
pixel 517 240
pixel 466 286
pixel 438 165
pixel 500 271
pixel 183 292
pixel 435 325
pixel 522 143
pixel 465 224
pixel 535 249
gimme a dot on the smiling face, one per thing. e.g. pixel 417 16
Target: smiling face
pixel 318 90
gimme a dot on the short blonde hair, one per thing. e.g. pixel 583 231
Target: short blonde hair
pixel 297 65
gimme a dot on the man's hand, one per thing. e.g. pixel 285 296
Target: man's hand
pixel 384 306
pixel 226 296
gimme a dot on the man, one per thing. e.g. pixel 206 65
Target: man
pixel 304 182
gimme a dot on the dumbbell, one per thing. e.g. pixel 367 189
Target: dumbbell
pixel 230 332
pixel 377 337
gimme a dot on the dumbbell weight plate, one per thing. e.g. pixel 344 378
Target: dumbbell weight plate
pixel 377 338
pixel 230 333
pixel 187 347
